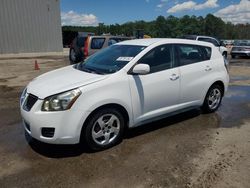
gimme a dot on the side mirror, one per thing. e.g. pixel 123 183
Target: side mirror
pixel 141 69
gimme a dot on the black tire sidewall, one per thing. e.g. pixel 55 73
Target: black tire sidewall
pixel 87 130
pixel 71 60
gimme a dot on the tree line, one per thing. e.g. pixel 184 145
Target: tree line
pixel 171 26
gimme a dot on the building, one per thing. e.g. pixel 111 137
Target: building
pixel 30 26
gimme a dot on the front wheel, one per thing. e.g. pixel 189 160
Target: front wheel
pixel 104 129
pixel 213 99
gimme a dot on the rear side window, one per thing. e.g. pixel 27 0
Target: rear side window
pixel 189 54
pixel 159 58
pixel 97 43
pixel 112 41
pixel 207 52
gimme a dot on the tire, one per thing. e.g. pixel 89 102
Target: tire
pixel 72 56
pixel 104 129
pixel 213 99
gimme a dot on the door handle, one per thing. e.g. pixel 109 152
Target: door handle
pixel 208 68
pixel 174 77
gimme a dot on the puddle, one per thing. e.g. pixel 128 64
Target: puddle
pixel 240 62
pixel 239 78
pixel 235 106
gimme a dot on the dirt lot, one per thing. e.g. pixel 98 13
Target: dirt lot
pixel 187 150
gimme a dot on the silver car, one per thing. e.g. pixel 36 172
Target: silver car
pixel 241 48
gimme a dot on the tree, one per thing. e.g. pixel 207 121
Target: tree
pixel 214 26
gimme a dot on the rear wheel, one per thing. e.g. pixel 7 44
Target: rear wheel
pixel 213 99
pixel 72 56
pixel 104 129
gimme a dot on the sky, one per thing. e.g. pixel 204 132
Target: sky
pixel 92 12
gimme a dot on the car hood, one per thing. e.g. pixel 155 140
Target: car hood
pixel 61 80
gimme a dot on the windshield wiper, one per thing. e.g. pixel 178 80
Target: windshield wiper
pixel 91 70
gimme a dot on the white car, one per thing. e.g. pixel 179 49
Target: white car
pixel 123 86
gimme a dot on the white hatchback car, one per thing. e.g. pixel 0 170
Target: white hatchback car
pixel 123 86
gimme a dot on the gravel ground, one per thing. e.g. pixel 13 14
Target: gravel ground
pixel 187 150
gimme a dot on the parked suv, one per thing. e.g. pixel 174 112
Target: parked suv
pixel 125 85
pixel 84 46
pixel 220 45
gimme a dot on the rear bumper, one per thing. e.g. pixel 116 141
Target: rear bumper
pixel 241 53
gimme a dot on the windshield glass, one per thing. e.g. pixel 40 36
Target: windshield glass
pixel 242 43
pixel 110 60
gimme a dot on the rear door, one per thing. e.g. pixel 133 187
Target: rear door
pixel 195 70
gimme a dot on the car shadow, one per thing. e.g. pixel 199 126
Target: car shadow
pixel 64 151
pixel 54 150
pixel 140 130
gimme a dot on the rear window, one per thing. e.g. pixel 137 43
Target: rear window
pixel 97 43
pixel 242 43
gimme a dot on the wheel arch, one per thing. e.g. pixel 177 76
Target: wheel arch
pixel 221 84
pixel 116 106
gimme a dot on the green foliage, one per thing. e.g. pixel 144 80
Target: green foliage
pixel 172 27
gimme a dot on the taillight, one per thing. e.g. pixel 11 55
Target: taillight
pixel 85 49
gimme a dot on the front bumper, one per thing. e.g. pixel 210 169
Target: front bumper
pixel 67 124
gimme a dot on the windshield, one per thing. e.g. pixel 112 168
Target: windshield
pixel 110 60
pixel 242 43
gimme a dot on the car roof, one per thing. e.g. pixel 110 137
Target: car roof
pixel 193 37
pixel 109 36
pixel 150 41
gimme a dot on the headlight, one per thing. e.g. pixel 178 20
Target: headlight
pixel 23 95
pixel 62 101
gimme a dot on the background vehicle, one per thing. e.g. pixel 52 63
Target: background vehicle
pixel 125 85
pixel 241 48
pixel 214 41
pixel 84 46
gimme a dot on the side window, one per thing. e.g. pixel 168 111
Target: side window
pixel 112 41
pixel 97 43
pixel 81 41
pixel 207 52
pixel 159 58
pixel 189 54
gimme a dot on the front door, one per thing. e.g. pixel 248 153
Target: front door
pixel 156 93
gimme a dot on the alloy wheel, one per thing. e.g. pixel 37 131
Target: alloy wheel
pixel 106 128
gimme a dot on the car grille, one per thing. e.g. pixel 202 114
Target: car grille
pixel 30 101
